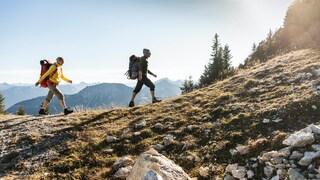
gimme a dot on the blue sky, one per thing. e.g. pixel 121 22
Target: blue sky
pixel 97 37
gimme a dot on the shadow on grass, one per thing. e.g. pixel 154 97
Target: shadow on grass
pixel 58 141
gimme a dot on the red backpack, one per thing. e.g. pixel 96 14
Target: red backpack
pixel 45 65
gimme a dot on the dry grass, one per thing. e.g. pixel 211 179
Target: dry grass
pixel 222 116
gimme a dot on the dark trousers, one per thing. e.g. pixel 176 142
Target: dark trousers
pixel 144 81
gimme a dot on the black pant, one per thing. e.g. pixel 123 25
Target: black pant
pixel 144 81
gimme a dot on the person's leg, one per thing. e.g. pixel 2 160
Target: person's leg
pixel 46 102
pixel 133 96
pixel 60 97
pixel 135 92
pixel 149 84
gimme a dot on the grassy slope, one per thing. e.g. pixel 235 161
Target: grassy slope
pixel 222 116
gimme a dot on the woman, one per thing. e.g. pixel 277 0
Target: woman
pixel 55 74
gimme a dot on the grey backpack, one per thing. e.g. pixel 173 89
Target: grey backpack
pixel 133 71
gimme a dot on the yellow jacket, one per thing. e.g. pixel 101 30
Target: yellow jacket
pixel 55 76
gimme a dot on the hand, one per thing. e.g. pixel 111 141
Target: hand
pixel 140 78
pixel 37 84
pixel 70 81
pixel 154 75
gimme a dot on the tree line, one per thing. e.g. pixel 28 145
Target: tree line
pixel 20 110
pixel 301 29
pixel 218 68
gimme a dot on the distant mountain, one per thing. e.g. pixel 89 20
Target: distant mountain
pixel 102 95
pixel 14 93
pixel 105 95
pixel 4 86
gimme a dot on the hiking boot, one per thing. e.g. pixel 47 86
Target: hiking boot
pixel 67 111
pixel 131 104
pixel 155 100
pixel 42 112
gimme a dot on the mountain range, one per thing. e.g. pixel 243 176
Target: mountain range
pixel 99 96
pixel 14 93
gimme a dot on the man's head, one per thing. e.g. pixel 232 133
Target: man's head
pixel 60 60
pixel 146 52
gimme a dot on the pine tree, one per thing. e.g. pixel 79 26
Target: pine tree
pixel 21 111
pixel 209 70
pixel 219 66
pixel 2 111
pixel 227 70
pixel 188 85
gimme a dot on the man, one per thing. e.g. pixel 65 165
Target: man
pixel 55 74
pixel 143 79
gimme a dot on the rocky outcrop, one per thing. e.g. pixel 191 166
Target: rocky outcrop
pixel 153 166
pixel 298 161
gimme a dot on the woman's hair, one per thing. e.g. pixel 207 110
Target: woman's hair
pixel 60 59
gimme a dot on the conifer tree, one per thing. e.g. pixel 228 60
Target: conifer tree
pixel 2 111
pixel 219 66
pixel 21 111
pixel 188 85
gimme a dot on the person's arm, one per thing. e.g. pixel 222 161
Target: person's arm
pixel 151 73
pixel 64 78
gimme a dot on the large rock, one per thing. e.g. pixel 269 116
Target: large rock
pixel 299 139
pixel 308 157
pixel 295 175
pixel 151 164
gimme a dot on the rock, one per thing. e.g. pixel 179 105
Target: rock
pixel 158 126
pixel 168 139
pixel 315 129
pixel 295 175
pixel 277 177
pixel 243 149
pixel 314 107
pixel 111 138
pixel 231 167
pixel 250 174
pixel 158 147
pixel 141 124
pixel 276 160
pixel 266 121
pixel 299 139
pixel 123 172
pixel 308 157
pixel 239 173
pixel 277 120
pixel 281 173
pixel 123 162
pixel 153 162
pixel 137 133
pixel 285 152
pixel 267 156
pixel 268 171
pixel 204 171
pixel 316 147
pixel 228 177
pixel 193 157
pixel 233 152
pixel 152 175
pixel 296 155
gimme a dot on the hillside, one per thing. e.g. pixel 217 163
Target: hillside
pixel 104 95
pixel 258 106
